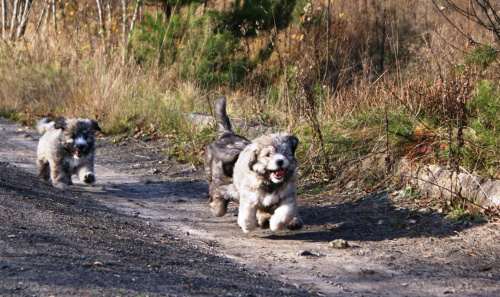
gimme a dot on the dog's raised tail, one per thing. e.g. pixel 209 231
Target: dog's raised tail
pixel 42 125
pixel 223 123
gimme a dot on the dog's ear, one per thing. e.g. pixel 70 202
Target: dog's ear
pixel 95 125
pixel 60 123
pixel 253 158
pixel 294 142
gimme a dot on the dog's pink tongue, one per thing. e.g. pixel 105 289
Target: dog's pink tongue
pixel 79 154
pixel 279 173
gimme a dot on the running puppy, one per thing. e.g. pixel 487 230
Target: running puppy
pixel 221 155
pixel 66 147
pixel 265 175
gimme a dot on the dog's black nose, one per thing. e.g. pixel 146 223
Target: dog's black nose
pixel 81 147
pixel 279 162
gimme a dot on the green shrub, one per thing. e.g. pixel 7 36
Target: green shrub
pixel 252 16
pixel 152 41
pixel 485 124
pixel 482 56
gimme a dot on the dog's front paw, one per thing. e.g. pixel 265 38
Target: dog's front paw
pixel 245 230
pixel 282 218
pixel 248 227
pixel 88 178
pixel 296 223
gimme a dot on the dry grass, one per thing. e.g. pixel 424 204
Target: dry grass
pixel 363 96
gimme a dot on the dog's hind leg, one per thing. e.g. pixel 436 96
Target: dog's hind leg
pixel 60 177
pixel 263 218
pixel 220 196
pixel 218 205
pixel 43 169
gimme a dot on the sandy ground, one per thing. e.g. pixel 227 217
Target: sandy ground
pixel 393 251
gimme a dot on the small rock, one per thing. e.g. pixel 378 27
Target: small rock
pixel 306 253
pixel 350 185
pixel 366 271
pixel 386 256
pixel 339 244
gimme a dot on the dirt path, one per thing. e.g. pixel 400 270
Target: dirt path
pixel 393 251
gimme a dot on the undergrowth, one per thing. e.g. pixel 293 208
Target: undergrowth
pixel 362 85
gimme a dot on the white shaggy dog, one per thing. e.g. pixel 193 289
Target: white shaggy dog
pixel 66 147
pixel 265 175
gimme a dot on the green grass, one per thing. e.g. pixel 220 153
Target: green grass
pixel 464 216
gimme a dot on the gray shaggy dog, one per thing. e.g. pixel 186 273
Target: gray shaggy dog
pixel 67 147
pixel 219 161
pixel 258 174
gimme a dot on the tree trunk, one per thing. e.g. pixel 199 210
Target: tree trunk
pixel 54 22
pixel 21 29
pixel 134 16
pixel 101 16
pixel 124 33
pixel 4 18
pixel 102 29
pixel 13 19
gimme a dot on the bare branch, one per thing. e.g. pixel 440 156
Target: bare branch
pixel 481 12
pixel 453 24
